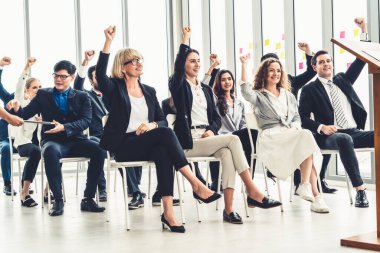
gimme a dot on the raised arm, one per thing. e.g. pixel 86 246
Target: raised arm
pixel 5 96
pixel 246 88
pixel 105 84
pixel 210 75
pixel 302 79
pixel 81 74
pixel 178 76
pixel 20 87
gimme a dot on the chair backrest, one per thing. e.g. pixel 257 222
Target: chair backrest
pixel 12 131
pixel 104 120
pixel 171 119
pixel 251 121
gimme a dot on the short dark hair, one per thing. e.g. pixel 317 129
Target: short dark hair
pixel 90 70
pixel 65 65
pixel 269 55
pixel 314 59
pixel 191 50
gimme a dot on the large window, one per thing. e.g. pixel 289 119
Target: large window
pixel 93 22
pixel 12 42
pixel 303 32
pixel 218 30
pixel 147 33
pixel 345 28
pixel 273 28
pixel 196 24
pixel 52 36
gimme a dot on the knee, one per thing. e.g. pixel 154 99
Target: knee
pixel 166 132
pixel 51 152
pixel 35 153
pixel 5 149
pixel 344 140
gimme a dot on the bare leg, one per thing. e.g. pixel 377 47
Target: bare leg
pixel 228 199
pixel 306 167
pixel 314 182
pixel 25 190
pixel 252 189
pixel 168 210
pixel 197 185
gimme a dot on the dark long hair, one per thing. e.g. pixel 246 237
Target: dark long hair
pixel 220 93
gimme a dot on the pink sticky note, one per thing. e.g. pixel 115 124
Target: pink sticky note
pixel 240 50
pixel 342 34
pixel 348 64
pixel 300 65
pixel 249 55
pixel 283 36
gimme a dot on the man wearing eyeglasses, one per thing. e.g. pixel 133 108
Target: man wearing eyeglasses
pixel 69 111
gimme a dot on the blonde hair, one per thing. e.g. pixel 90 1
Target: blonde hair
pixel 121 57
pixel 262 73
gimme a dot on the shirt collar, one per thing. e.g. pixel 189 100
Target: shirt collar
pixel 65 93
pixel 282 90
pixel 324 81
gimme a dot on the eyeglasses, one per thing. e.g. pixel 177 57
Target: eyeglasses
pixel 134 61
pixel 63 77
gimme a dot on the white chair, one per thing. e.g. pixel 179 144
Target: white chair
pixel 207 159
pixel 251 123
pixel 110 163
pixel 15 157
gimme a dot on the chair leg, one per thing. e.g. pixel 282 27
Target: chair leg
pixel 243 191
pixel 126 210
pixel 196 201
pixel 291 187
pixel 108 188
pixel 280 194
pixel 12 175
pixel 183 183
pixel 180 198
pixel 265 180
pixel 219 183
pixel 63 187
pixel 114 183
pixel 79 164
pixel 19 175
pixel 149 180
pixel 42 183
pixel 348 189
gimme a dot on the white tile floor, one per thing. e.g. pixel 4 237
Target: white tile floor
pixel 294 230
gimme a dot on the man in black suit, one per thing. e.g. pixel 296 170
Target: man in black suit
pixel 99 105
pixel 70 112
pixel 338 116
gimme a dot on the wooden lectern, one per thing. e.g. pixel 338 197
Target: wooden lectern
pixel 369 53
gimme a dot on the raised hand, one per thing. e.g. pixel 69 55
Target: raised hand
pixel 186 31
pixel 110 33
pixel 304 46
pixel 30 62
pixel 244 59
pixel 215 59
pixel 5 61
pixel 360 22
pixel 89 55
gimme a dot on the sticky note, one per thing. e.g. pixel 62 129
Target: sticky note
pixel 267 42
pixel 304 56
pixel 356 32
pixel 282 55
pixel 278 45
pixel 341 50
pixel 240 50
pixel 250 45
pixel 300 65
pixel 342 34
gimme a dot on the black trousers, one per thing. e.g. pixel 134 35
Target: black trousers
pixel 159 145
pixel 244 138
pixel 102 179
pixel 52 151
pixel 33 152
pixel 345 141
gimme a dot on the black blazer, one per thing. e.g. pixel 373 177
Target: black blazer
pixel 183 101
pixel 77 119
pixel 99 105
pixel 297 82
pixel 314 99
pixel 120 106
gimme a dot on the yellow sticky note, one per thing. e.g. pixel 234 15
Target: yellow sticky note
pixel 282 55
pixel 356 32
pixel 267 42
pixel 278 45
pixel 341 50
pixel 304 56
pixel 250 45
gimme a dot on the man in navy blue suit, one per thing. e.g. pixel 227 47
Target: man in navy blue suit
pixel 69 111
pixel 339 115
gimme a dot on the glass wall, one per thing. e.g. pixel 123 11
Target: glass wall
pixel 218 30
pixel 196 24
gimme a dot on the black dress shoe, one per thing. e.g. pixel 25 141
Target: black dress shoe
pixel 136 202
pixel 102 196
pixel 232 217
pixel 8 190
pixel 267 203
pixel 57 208
pixel 46 200
pixel 210 199
pixel 326 188
pixel 89 205
pixel 361 199
pixel 175 229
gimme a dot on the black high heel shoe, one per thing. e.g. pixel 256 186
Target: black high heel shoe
pixel 267 203
pixel 175 229
pixel 210 199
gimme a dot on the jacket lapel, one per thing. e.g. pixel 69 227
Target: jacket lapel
pixel 325 97
pixel 148 99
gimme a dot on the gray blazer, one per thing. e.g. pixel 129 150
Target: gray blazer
pixel 232 122
pixel 267 116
